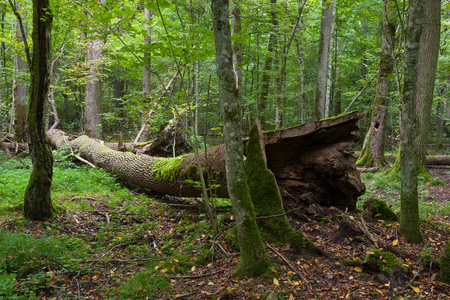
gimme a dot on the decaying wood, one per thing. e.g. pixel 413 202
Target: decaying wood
pixel 314 159
pixel 317 157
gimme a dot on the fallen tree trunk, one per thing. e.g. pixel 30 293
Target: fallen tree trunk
pixel 313 159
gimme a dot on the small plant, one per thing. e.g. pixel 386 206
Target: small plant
pixel 142 285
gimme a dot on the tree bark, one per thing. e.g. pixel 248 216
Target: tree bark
pixel 409 206
pixel 20 91
pixel 93 91
pixel 254 260
pixel 428 58
pixel 265 80
pixel 37 201
pixel 372 153
pixel 324 46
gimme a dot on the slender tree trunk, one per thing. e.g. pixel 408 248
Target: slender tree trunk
pixel 37 201
pixel 439 146
pixel 330 65
pixel 237 49
pixel 254 260
pixel 146 81
pixel 93 92
pixel 265 80
pixel 372 153
pixel 18 125
pixel 428 58
pixel 324 46
pixel 409 206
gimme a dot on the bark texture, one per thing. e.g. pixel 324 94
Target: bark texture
pixel 37 201
pixel 324 46
pixel 254 260
pixel 409 206
pixel 428 58
pixel 445 265
pixel 372 154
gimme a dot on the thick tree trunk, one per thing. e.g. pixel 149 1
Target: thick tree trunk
pixel 428 58
pixel 37 202
pixel 445 265
pixel 93 92
pixel 409 206
pixel 372 154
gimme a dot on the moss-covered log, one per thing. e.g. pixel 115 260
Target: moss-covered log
pixel 313 158
pixel 159 174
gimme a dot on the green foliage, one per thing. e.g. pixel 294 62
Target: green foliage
pixel 142 285
pixel 22 254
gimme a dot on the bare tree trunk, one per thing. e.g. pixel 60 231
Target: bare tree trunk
pixel 18 124
pixel 324 46
pixel 265 80
pixel 372 154
pixel 93 92
pixel 409 206
pixel 254 260
pixel 428 57
pixel 37 200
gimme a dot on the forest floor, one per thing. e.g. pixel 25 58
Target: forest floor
pixel 141 249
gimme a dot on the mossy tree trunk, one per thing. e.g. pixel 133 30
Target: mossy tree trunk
pixel 254 260
pixel 37 202
pixel 409 206
pixel 372 153
pixel 266 197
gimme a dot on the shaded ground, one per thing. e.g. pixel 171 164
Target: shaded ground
pixel 169 241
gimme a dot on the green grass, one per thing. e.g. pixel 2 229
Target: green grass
pixel 390 186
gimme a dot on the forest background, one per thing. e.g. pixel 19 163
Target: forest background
pixel 145 65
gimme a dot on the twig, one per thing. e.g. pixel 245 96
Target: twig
pixel 286 261
pixel 279 215
pixel 189 276
pixel 362 226
pixel 120 245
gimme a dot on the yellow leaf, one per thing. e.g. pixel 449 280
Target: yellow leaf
pixel 275 281
pixel 119 238
pixel 273 270
pixel 95 277
pixel 416 289
pixel 395 242
pixel 358 269
pixel 193 268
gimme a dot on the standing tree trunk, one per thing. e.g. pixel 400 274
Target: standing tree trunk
pixel 37 201
pixel 324 46
pixel 254 260
pixel 372 153
pixel 93 92
pixel 428 58
pixel 439 145
pixel 18 124
pixel 265 80
pixel 409 206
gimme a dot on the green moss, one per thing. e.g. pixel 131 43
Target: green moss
pixel 267 200
pixel 384 261
pixel 445 265
pixel 380 209
pixel 165 169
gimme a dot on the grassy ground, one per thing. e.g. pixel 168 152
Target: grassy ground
pixel 108 242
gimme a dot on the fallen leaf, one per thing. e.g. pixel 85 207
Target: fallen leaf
pixel 275 281
pixel 395 242
pixel 416 289
pixel 358 269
